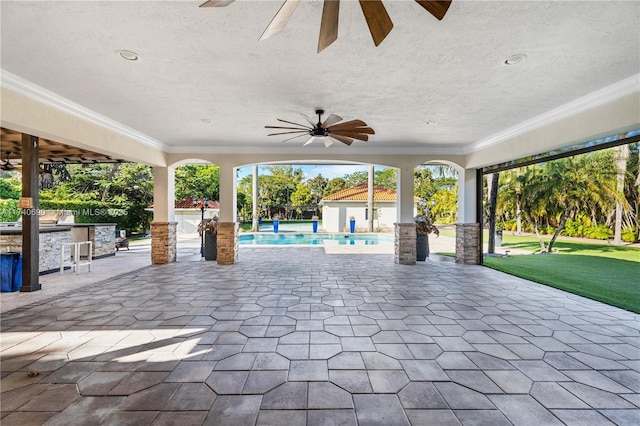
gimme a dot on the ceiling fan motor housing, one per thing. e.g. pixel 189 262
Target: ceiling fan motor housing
pixel 319 131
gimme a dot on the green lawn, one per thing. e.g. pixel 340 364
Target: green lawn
pixel 598 270
pixel 610 274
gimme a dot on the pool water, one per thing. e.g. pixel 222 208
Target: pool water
pixel 314 239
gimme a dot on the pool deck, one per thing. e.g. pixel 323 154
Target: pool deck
pixel 292 336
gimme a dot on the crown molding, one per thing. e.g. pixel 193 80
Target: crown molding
pixel 592 100
pixel 235 149
pixel 32 91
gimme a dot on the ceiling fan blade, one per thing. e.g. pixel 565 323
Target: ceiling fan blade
pixel 358 136
pixel 345 140
pixel 290 128
pixel 311 139
pixel 327 142
pixel 295 137
pixel 297 124
pixel 331 120
pixel 378 20
pixel 306 117
pixel 217 3
pixel 280 20
pixel 287 133
pixel 329 24
pixel 437 8
pixel 358 130
pixel 348 124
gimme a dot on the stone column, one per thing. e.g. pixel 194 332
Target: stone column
pixel 468 243
pixel 164 242
pixel 468 237
pixel 405 228
pixel 405 243
pixel 227 227
pixel 227 243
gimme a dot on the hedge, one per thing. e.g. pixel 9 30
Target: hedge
pixel 129 217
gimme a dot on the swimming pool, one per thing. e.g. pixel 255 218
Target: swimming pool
pixel 303 239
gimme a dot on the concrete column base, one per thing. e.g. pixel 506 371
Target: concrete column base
pixel 468 250
pixel 405 243
pixel 227 243
pixel 164 242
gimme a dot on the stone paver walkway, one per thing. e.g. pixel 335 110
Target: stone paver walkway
pixel 296 336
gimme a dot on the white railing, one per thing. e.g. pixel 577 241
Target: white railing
pixel 74 260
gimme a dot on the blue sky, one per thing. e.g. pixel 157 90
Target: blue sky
pixel 328 171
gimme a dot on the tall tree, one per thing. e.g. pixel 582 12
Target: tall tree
pixel 561 188
pixel 492 182
pixel 316 188
pixel 621 156
pixel 301 197
pixel 197 181
pixel 423 187
pixel 383 177
pixel 334 185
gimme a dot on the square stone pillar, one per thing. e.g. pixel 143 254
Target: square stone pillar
pixel 227 243
pixel 405 243
pixel 468 250
pixel 164 242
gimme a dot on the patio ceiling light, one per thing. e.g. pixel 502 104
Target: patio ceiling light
pixel 515 59
pixel 128 55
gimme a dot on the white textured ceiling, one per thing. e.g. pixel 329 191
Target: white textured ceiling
pixel 206 63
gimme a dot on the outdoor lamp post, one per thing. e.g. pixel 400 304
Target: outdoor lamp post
pixel 203 207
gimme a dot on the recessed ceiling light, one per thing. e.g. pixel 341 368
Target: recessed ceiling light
pixel 205 120
pixel 128 55
pixel 515 59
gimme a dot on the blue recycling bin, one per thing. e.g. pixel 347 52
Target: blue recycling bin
pixel 8 263
pixel 17 274
pixel 275 226
pixel 315 226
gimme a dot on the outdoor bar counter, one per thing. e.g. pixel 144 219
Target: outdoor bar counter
pixel 51 238
pixel 102 235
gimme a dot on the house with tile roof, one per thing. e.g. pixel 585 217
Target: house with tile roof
pixel 339 207
pixel 188 215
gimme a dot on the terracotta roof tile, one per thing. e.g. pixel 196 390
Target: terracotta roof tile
pixel 187 203
pixel 361 193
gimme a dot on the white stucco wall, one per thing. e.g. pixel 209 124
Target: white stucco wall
pixel 336 215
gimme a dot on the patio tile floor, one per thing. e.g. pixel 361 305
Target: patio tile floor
pixel 300 337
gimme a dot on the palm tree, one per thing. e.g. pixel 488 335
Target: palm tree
pixel 493 201
pixel 621 156
pixel 559 189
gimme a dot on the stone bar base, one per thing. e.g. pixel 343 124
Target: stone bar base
pixel 468 250
pixel 164 242
pixel 405 243
pixel 227 243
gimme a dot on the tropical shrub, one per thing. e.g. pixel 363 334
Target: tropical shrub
pixel 9 211
pixel 629 234
pixel 598 232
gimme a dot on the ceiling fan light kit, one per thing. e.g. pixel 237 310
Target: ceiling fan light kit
pixel 333 128
pixel 375 14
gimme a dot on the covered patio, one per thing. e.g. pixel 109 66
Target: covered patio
pixel 327 339
pixel 323 340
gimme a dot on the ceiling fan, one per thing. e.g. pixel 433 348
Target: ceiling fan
pixel 6 165
pixel 327 131
pixel 375 13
